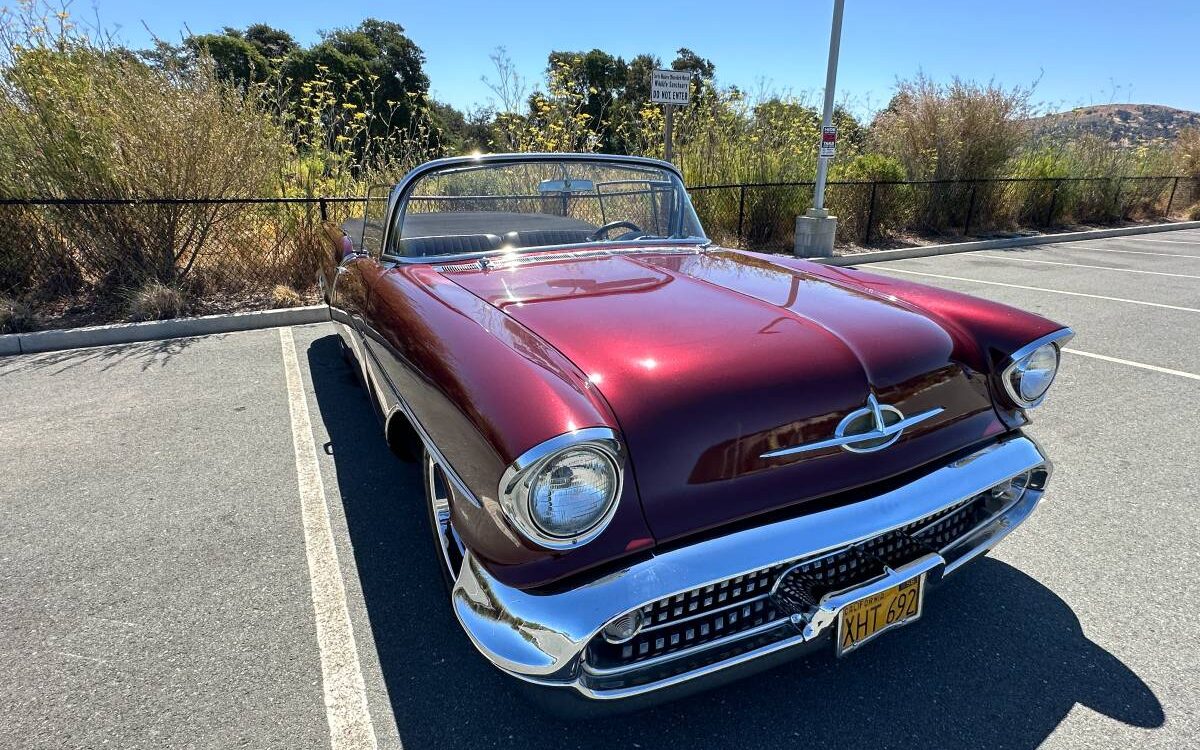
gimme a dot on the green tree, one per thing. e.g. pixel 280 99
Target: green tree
pixel 234 59
pixel 273 44
pixel 376 64
pixel 700 67
pixel 597 79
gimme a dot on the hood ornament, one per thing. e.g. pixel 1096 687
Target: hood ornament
pixel 866 430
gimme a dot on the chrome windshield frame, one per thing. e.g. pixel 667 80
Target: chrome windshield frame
pixel 401 193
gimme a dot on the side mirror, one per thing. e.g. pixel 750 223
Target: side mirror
pixel 345 248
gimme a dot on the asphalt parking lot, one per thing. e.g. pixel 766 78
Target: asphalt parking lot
pixel 194 532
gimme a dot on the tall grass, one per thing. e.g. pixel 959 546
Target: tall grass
pixel 82 120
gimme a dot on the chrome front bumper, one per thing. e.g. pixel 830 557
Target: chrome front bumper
pixel 542 639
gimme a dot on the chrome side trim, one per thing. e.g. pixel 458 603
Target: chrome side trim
pixel 371 362
pixel 880 432
pixel 1059 339
pixel 541 638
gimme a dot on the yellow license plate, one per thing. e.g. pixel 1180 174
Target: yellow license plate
pixel 866 618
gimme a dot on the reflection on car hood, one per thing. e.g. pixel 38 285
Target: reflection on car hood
pixel 710 359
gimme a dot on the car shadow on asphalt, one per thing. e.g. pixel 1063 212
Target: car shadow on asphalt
pixel 997 659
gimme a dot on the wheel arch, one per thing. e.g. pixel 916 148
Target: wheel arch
pixel 402 437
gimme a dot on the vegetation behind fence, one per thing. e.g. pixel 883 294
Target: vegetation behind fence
pixel 762 216
pixel 94 257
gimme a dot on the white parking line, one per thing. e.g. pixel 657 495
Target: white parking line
pixel 1075 246
pixel 1041 289
pixel 346 708
pixel 1131 363
pixel 1082 265
pixel 1195 241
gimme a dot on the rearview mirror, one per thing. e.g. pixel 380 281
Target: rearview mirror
pixel 566 186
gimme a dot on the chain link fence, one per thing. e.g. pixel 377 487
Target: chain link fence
pixel 762 216
pixel 91 254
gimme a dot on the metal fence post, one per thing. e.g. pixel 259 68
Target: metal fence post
pixel 1053 203
pixel 970 209
pixel 324 209
pixel 870 214
pixel 741 212
pixel 1171 199
pixel 1117 199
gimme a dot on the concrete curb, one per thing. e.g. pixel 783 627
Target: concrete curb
pixel 128 333
pixel 963 247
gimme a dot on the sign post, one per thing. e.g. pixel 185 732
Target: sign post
pixel 815 230
pixel 670 88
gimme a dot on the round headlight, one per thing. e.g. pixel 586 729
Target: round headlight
pixel 1028 379
pixel 572 492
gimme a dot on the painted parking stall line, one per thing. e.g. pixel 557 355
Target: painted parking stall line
pixel 1131 363
pixel 345 689
pixel 1192 241
pixel 1041 289
pixel 1083 265
pixel 1075 246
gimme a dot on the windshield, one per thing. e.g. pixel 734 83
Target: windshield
pixel 530 203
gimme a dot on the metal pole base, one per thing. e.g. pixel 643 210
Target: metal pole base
pixel 814 234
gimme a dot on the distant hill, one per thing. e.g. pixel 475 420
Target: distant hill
pixel 1121 124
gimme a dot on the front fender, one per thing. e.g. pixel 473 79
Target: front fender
pixel 484 390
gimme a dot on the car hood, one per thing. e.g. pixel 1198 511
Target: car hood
pixel 709 359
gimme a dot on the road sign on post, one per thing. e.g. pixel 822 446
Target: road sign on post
pixel 670 88
pixel 828 142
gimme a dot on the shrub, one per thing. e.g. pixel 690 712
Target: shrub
pixel 16 317
pixel 960 131
pixel 156 301
pixel 852 203
pixel 284 296
pixel 82 120
pixel 1187 153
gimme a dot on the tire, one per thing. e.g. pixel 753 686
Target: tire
pixel 447 547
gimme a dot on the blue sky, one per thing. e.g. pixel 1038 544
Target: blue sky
pixel 1080 52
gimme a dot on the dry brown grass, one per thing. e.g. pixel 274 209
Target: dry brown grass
pixel 16 317
pixel 157 301
pixel 1187 152
pixel 284 296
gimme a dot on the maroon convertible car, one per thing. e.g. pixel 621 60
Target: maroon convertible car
pixel 652 463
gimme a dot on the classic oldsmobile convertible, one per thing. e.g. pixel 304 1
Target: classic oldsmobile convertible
pixel 651 463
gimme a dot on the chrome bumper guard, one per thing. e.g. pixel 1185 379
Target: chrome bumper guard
pixel 543 639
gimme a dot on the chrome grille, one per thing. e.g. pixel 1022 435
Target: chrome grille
pixel 706 623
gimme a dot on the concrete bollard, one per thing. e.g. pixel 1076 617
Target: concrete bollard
pixel 814 234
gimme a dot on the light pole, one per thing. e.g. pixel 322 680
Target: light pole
pixel 815 230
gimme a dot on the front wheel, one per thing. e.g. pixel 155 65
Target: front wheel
pixel 437 503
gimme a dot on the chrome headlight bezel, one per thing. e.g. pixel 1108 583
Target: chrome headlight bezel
pixel 1021 357
pixel 519 478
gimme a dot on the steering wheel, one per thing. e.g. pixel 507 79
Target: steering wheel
pixel 601 231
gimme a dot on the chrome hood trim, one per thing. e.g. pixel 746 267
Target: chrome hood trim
pixel 849 442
